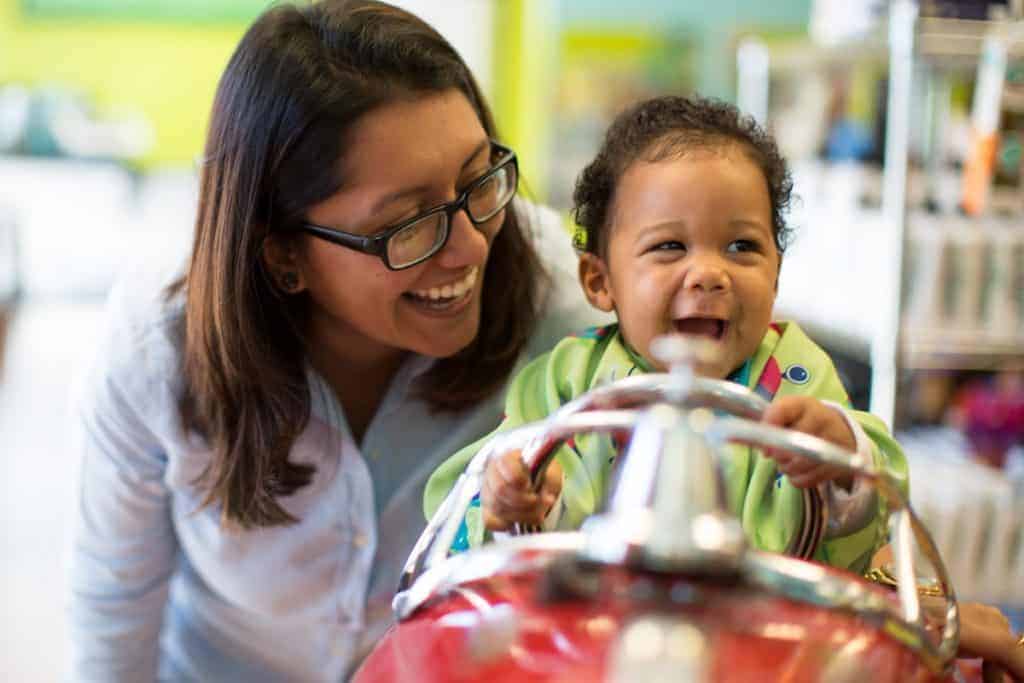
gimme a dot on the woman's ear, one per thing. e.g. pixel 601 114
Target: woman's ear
pixel 596 285
pixel 281 261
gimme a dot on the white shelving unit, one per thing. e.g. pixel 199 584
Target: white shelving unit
pixel 844 277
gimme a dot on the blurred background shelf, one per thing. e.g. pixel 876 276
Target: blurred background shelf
pixel 959 350
pixel 943 41
pixel 885 267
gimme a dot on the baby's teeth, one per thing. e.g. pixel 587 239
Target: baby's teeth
pixel 446 291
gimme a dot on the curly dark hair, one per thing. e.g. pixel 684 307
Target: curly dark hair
pixel 670 127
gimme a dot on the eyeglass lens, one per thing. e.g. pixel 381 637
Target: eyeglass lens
pixel 424 237
pixel 417 240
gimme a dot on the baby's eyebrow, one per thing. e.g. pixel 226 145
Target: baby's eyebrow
pixel 750 223
pixel 656 227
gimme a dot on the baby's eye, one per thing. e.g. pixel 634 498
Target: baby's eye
pixel 740 246
pixel 669 245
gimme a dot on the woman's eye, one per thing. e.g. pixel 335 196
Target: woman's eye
pixel 398 219
pixel 472 178
pixel 742 246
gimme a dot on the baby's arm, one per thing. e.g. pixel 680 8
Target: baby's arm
pixel 809 415
pixel 538 390
pixel 857 515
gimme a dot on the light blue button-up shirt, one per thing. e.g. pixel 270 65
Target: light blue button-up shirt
pixel 159 588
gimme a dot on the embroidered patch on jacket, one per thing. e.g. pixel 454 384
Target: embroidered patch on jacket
pixel 797 374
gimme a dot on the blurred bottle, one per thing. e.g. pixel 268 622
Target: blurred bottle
pixel 991 415
pixel 967 9
pixel 836 21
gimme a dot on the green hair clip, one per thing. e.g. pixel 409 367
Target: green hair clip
pixel 579 239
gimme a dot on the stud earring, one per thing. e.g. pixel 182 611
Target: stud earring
pixel 290 281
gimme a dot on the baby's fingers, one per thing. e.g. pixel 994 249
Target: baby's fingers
pixel 552 485
pixel 814 475
pixel 784 412
pixel 507 498
pixel 511 471
pixel 494 522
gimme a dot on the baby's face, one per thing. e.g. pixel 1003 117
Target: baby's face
pixel 691 251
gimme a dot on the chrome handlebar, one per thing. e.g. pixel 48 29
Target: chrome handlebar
pixel 612 536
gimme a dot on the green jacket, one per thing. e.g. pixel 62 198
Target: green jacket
pixel 770 509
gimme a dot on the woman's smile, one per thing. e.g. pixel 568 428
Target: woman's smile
pixel 445 299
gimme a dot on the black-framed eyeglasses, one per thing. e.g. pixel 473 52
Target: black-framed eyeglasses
pixel 415 240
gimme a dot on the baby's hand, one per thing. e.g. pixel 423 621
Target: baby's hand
pixel 506 497
pixel 810 416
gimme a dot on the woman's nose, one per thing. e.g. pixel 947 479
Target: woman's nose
pixel 466 245
pixel 706 274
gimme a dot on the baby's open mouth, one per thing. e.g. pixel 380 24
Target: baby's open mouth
pixel 712 328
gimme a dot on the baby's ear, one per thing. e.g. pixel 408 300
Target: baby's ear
pixel 595 282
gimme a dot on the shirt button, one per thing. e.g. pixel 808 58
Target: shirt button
pixel 360 540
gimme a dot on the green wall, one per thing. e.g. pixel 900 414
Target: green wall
pixel 167 71
pixel 714 24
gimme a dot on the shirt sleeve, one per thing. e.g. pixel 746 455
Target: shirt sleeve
pixel 855 549
pixel 525 402
pixel 772 509
pixel 853 546
pixel 123 546
pixel 849 510
pixel 538 390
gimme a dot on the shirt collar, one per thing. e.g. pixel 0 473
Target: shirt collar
pixel 741 375
pixel 325 406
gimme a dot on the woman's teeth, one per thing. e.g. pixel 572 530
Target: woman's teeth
pixel 452 290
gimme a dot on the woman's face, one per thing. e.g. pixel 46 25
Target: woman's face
pixel 403 158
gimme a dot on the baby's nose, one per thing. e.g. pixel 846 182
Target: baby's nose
pixel 706 275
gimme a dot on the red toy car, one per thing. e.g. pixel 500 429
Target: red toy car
pixel 662 584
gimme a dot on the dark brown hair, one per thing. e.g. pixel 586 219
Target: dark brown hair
pixel 670 127
pixel 299 79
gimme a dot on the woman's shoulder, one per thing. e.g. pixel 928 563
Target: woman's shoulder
pixel 139 346
pixel 143 312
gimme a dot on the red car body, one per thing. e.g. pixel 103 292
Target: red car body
pixel 503 629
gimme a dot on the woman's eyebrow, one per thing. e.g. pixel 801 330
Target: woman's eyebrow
pixel 399 194
pixel 484 144
pixel 419 189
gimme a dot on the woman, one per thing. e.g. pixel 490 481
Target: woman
pixel 255 439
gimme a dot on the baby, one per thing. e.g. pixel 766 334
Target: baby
pixel 681 224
